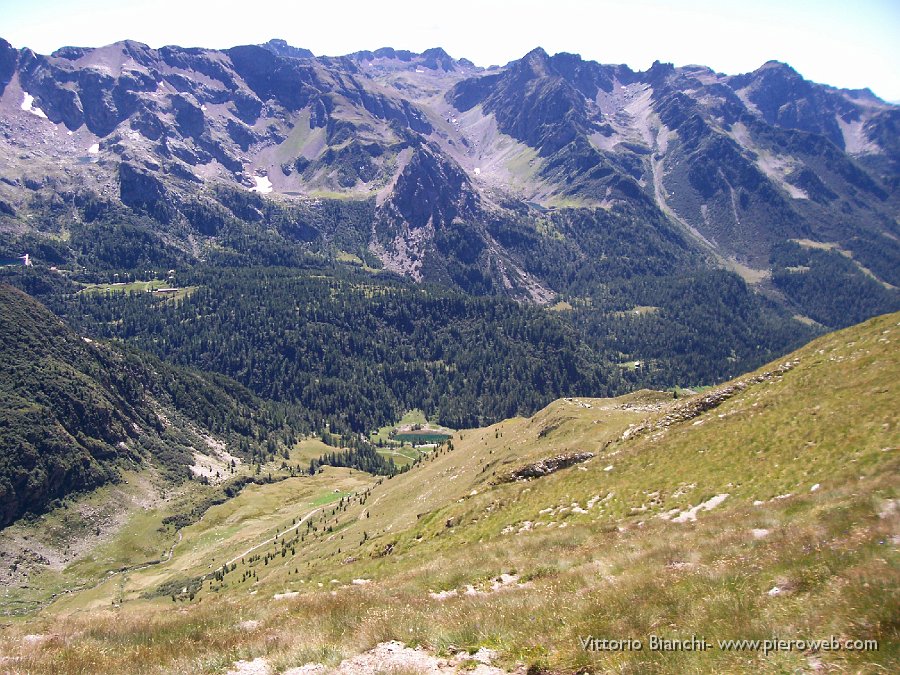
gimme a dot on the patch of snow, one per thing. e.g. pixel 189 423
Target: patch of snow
pixel 94 149
pixel 263 185
pixel 477 171
pixel 28 106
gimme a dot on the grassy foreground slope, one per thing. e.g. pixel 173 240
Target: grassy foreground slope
pixel 766 507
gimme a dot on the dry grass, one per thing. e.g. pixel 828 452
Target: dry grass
pixel 609 568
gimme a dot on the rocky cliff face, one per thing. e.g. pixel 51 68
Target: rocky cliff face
pixel 452 156
pixel 785 99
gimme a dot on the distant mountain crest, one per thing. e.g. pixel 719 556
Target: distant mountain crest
pixel 740 165
pixel 282 48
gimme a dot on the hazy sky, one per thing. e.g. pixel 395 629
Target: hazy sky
pixel 844 43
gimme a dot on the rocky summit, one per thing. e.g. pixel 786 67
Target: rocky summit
pixel 499 180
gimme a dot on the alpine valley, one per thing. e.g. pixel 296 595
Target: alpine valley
pixel 387 362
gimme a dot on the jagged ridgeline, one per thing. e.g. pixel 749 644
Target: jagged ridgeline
pixel 74 413
pixel 550 177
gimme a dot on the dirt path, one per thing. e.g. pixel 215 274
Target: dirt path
pixel 396 453
pixel 268 541
pixel 169 554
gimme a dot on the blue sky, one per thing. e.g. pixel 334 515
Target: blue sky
pixel 845 44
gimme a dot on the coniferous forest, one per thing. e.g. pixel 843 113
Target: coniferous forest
pixel 354 351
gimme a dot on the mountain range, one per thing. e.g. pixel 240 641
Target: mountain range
pixel 523 180
pixel 236 284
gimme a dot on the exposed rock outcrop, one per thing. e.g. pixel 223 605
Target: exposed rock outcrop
pixel 545 467
pixel 696 406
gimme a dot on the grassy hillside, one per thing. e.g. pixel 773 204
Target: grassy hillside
pixel 763 507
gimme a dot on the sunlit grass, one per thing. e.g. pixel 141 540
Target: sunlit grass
pixel 809 461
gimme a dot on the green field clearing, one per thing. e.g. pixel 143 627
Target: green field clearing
pixel 140 287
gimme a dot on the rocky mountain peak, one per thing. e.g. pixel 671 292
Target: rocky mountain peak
pixel 775 66
pixel 432 190
pixel 658 73
pixel 282 48
pixel 536 62
pixel 437 59
pixel 9 56
pixel 434 149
